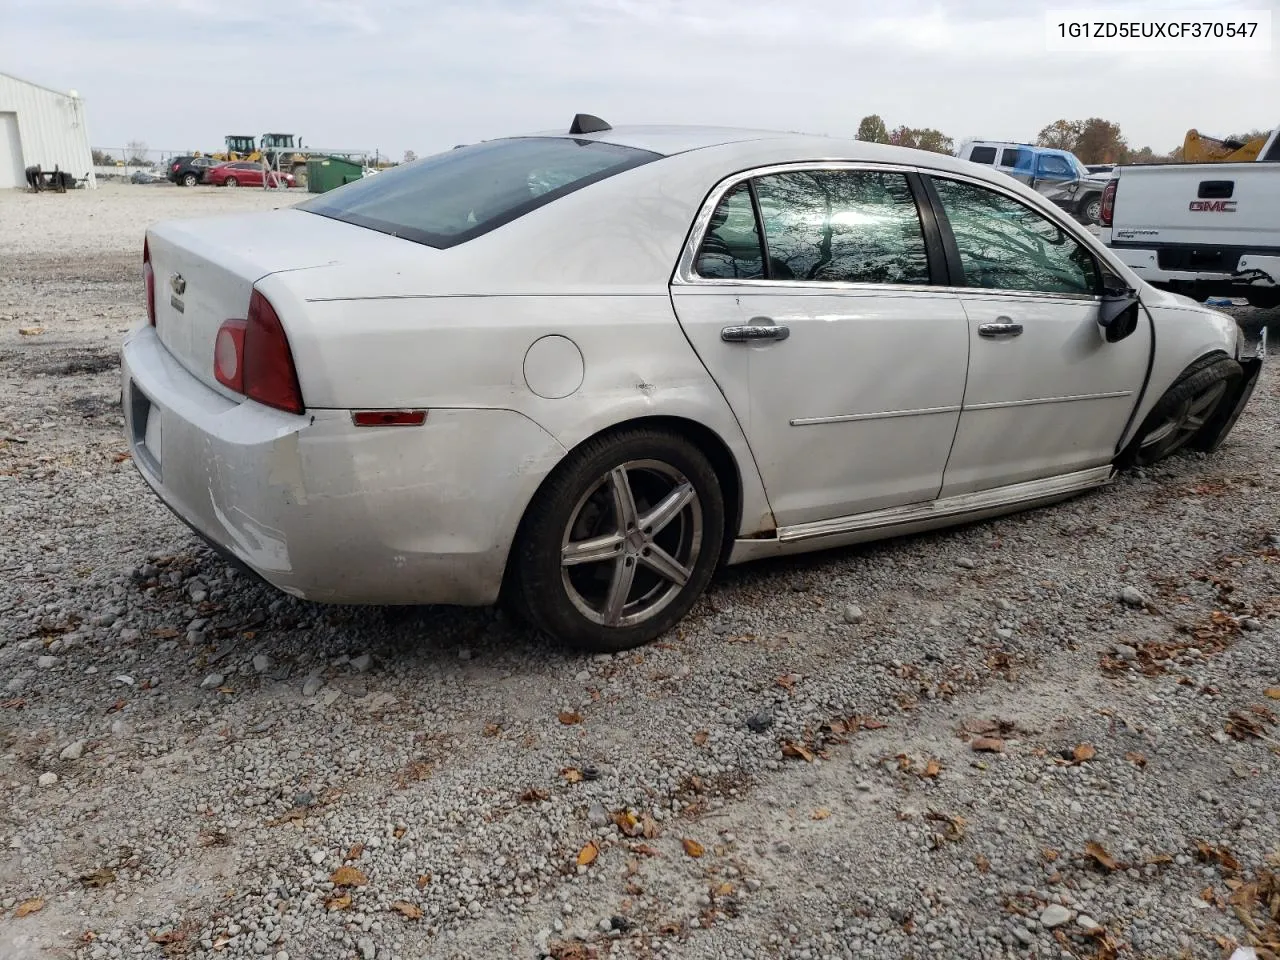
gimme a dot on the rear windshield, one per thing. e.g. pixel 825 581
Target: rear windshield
pixel 449 198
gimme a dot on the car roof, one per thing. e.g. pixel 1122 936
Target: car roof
pixel 750 146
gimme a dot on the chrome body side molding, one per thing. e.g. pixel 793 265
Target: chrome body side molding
pixel 918 517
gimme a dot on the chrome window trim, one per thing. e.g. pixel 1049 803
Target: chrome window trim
pixel 686 276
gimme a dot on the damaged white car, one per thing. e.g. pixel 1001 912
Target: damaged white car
pixel 580 370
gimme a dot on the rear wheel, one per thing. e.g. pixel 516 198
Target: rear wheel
pixel 620 542
pixel 1191 410
pixel 1091 208
pixel 190 179
pixel 232 182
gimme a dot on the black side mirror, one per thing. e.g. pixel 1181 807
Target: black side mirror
pixel 1118 311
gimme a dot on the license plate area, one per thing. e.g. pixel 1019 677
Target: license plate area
pixel 145 419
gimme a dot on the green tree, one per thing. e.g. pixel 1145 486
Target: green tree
pixel 922 138
pixel 103 159
pixel 1060 135
pixel 872 129
pixel 1100 141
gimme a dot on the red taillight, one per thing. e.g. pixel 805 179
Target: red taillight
pixel 149 279
pixel 1107 213
pixel 175 167
pixel 253 357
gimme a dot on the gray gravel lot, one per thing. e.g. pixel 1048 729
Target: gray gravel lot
pixel 1053 735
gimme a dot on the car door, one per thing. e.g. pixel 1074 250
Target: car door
pixel 1046 393
pixel 831 334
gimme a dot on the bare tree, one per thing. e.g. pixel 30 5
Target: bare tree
pixel 136 152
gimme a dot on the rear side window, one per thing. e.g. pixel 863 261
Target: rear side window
pixel 983 155
pixel 1011 157
pixel 850 226
pixel 731 248
pixel 452 197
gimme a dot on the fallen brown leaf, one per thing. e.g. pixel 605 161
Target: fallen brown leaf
pixel 570 717
pixel 28 907
pixel 1099 853
pixel 1083 753
pixel 348 877
pixel 1273 693
pixel 536 794
pixel 572 774
pixel 1049 854
pixel 987 745
pixel 588 853
pixel 932 768
pixel 408 910
pixel 355 853
pixel 822 813
pixel 338 902
pixel 700 738
pixel 492 729
pixel 1220 855
pixel 797 750
pixel 424 880
pixel 1137 759
pixel 169 936
pixel 982 863
pixel 99 878
pixel 644 850
pixel 399 832
pixel 954 826
pixel 627 822
pixel 692 848
pixel 649 827
pixel 30 331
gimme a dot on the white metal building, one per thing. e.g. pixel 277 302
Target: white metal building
pixel 43 127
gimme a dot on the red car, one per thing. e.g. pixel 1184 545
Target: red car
pixel 245 173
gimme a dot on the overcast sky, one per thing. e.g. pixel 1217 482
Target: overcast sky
pixel 399 74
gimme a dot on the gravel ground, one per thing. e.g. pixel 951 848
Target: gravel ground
pixel 1051 735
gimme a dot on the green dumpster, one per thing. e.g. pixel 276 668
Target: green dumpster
pixel 325 173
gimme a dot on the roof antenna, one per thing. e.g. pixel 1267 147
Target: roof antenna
pixel 586 123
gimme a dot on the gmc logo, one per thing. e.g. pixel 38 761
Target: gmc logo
pixel 1213 206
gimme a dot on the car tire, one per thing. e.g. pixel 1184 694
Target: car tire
pixel 1192 410
pixel 190 179
pixel 231 182
pixel 1091 209
pixel 638 579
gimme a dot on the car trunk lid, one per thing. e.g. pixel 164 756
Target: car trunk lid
pixel 205 271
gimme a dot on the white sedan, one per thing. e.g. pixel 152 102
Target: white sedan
pixel 581 370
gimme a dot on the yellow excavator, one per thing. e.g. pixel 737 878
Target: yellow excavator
pixel 1197 148
pixel 238 148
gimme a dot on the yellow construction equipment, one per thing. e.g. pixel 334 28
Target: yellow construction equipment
pixel 1197 148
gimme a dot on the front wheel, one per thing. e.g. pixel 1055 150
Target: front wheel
pixel 232 182
pixel 1190 411
pixel 620 542
pixel 1091 209
pixel 190 179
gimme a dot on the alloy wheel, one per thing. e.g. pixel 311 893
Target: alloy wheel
pixel 1182 423
pixel 631 543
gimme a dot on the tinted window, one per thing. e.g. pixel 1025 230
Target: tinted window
pixel 451 197
pixel 1010 157
pixel 851 226
pixel 1007 246
pixel 983 155
pixel 731 247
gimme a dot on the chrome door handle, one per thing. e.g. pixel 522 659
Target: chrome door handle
pixel 749 332
pixel 1003 327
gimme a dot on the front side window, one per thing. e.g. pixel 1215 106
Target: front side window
pixel 845 226
pixel 1055 167
pixel 449 198
pixel 1005 245
pixel 731 248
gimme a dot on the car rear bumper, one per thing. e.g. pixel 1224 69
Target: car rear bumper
pixel 328 511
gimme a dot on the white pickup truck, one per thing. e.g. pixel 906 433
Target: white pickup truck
pixel 1202 229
